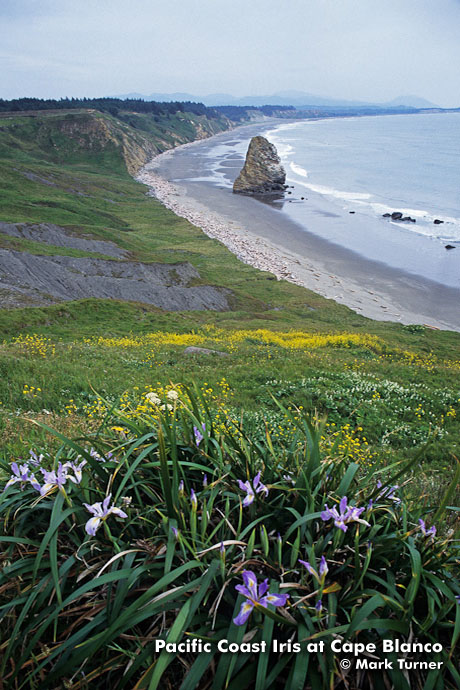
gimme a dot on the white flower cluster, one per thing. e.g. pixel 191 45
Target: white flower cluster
pixel 154 399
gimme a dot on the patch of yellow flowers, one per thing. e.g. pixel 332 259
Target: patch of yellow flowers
pixel 155 401
pixel 229 340
pixel 31 391
pixel 347 442
pixel 34 345
pixel 210 335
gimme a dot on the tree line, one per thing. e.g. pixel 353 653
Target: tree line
pixel 108 105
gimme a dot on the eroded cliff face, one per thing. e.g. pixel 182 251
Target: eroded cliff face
pixel 28 280
pixel 83 134
pixel 69 166
pixel 262 172
pixel 78 135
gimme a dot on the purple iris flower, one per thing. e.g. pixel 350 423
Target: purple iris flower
pixel 431 532
pixel 319 574
pixel 288 478
pixel 256 488
pixel 101 512
pixel 255 594
pixel 323 569
pixel 307 565
pixel 54 478
pixel 457 598
pixel 21 474
pixel 205 481
pixel 68 470
pixel 319 606
pixel 96 456
pixel 35 459
pixel 76 469
pixel 347 514
pixel 175 531
pixel 388 492
pixel 193 500
pixel 198 435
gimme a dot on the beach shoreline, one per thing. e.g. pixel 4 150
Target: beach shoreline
pixel 256 235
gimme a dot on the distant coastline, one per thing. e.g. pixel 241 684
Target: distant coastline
pixel 266 239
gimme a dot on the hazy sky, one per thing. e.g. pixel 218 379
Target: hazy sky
pixel 371 50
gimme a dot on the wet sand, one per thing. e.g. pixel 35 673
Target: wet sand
pixel 262 236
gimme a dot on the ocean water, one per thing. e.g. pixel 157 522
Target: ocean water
pixel 375 165
pixel 344 174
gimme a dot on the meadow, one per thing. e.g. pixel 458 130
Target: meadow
pixel 199 469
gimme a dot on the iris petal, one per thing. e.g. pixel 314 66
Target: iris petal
pixel 263 587
pixel 250 581
pixel 245 612
pixel 248 499
pixel 93 525
pixel 243 590
pixel 274 599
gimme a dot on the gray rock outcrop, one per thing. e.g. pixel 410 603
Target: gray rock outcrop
pixel 30 280
pixel 262 172
pixel 192 350
pixel 48 233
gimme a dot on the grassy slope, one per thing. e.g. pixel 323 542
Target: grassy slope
pixel 92 193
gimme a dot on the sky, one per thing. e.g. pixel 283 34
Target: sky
pixel 368 50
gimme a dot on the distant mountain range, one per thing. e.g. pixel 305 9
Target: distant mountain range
pixel 295 98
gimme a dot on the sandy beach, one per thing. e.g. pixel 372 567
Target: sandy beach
pixel 264 238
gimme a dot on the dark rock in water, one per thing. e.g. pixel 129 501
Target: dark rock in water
pixel 437 221
pixel 450 246
pixel 262 172
pixel 351 211
pixel 302 198
pixel 397 215
pixel 289 192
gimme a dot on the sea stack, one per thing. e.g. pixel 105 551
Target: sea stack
pixel 262 172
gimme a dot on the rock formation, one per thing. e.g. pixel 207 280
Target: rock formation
pixel 397 215
pixel 262 172
pixel 30 280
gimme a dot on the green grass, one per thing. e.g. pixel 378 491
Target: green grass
pixel 21 244
pixel 75 375
pixel 94 195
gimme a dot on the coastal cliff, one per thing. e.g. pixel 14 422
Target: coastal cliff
pixel 63 236
pixel 262 172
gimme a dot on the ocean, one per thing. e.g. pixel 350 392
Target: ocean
pixel 372 165
pixel 350 171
